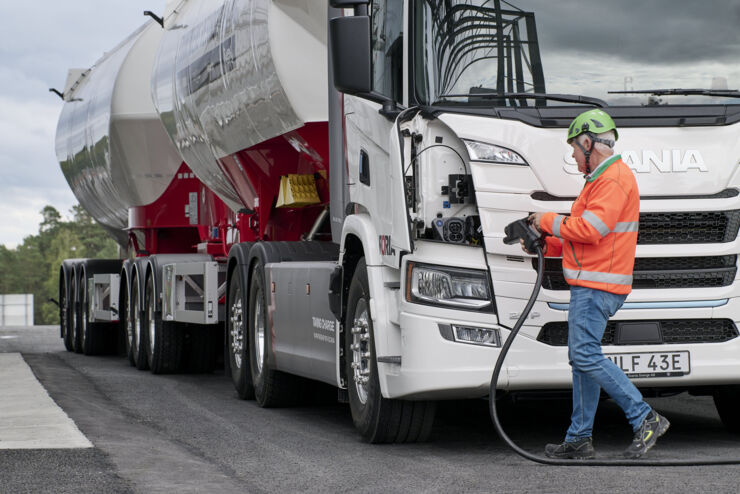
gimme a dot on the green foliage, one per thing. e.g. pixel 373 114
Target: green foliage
pixel 33 267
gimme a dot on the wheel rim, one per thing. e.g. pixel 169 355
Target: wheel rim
pixel 136 320
pixel 259 330
pixel 129 324
pixel 83 316
pixel 150 317
pixel 74 325
pixel 361 350
pixel 237 328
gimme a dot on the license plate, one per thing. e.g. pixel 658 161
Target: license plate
pixel 652 364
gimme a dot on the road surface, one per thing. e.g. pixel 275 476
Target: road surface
pixel 190 433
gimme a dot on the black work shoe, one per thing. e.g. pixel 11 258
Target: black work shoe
pixel 583 449
pixel 654 426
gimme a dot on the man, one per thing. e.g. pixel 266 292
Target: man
pixel 597 242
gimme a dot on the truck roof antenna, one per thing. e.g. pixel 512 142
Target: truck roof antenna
pixel 154 16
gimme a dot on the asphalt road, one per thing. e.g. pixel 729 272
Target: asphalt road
pixel 189 433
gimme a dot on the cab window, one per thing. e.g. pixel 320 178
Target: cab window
pixel 387 48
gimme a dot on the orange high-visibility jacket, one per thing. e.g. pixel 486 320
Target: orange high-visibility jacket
pixel 599 238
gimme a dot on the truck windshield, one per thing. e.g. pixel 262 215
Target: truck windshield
pixel 485 52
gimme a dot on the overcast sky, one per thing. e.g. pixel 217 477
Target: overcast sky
pixel 39 41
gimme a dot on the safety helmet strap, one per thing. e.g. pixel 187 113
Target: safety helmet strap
pixel 586 152
pixel 593 138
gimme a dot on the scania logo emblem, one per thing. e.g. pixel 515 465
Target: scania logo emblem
pixel 648 161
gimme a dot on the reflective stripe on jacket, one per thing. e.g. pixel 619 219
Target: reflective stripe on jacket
pixel 599 238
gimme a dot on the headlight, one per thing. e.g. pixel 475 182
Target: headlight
pixel 480 151
pixel 452 287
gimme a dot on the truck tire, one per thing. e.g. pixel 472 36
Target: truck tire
pixel 138 349
pixel 237 348
pixel 165 338
pixel 66 313
pixel 378 419
pixel 272 388
pixel 126 322
pixel 727 402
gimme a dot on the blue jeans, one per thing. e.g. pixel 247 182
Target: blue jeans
pixel 588 314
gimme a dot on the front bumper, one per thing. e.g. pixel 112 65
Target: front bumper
pixel 435 368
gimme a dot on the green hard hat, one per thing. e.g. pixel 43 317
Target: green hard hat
pixel 594 121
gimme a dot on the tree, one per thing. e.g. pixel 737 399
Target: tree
pixel 94 241
pixel 51 219
pixel 9 270
pixel 33 266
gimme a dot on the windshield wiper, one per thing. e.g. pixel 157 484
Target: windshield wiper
pixel 567 98
pixel 727 93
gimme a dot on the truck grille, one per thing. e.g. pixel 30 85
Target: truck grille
pixel 660 272
pixel 673 331
pixel 688 228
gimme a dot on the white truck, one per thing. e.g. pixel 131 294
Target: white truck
pixel 357 162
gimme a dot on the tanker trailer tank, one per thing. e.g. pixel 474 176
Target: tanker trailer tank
pixel 233 74
pixel 110 143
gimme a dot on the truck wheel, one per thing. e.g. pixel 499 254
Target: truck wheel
pixel 164 338
pixel 237 348
pixel 126 321
pixel 272 388
pixel 66 317
pixel 378 419
pixel 138 349
pixel 727 401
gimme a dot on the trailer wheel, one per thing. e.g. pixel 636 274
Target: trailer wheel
pixel 66 313
pixel 165 338
pixel 727 402
pixel 237 347
pixel 272 388
pixel 138 349
pixel 378 419
pixel 126 321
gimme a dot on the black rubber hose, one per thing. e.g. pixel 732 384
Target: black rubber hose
pixel 638 462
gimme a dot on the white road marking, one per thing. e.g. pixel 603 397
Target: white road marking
pixel 29 418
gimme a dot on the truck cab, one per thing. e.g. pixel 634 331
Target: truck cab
pixel 455 118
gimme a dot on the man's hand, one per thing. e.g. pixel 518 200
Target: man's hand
pixel 544 247
pixel 534 220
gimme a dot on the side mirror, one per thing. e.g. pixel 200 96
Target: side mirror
pixel 350 54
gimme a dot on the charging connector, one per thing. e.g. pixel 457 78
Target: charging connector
pixel 521 229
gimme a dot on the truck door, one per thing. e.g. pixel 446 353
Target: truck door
pixel 373 149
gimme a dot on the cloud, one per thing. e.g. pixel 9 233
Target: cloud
pixel 39 42
pixel 27 143
pixel 655 31
pixel 45 38
pixel 30 177
pixel 22 207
